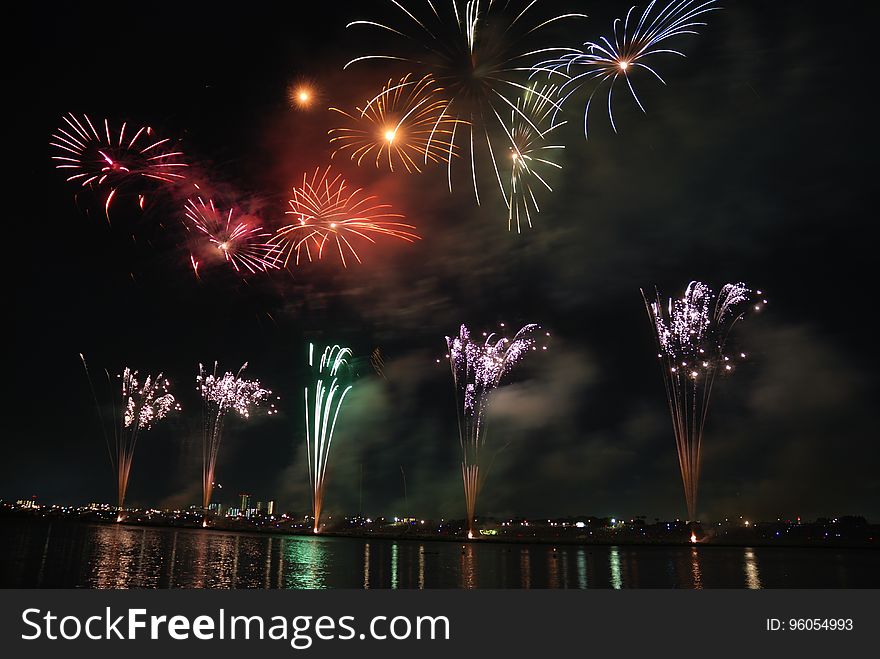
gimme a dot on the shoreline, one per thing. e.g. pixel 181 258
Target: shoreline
pixel 625 541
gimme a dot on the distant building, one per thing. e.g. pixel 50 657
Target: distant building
pixel 216 508
pixel 259 507
pixel 245 502
pixel 233 512
pixel 270 508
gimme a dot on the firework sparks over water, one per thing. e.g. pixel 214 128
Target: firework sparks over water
pixel 327 214
pixel 481 54
pixel 531 155
pixel 636 40
pixel 109 160
pixel 691 335
pixel 220 395
pixel 404 126
pixel 477 370
pixel 241 242
pixel 331 373
pixel 141 405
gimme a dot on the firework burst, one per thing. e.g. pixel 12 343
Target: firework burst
pixel 481 54
pixel 691 335
pixel 242 243
pixel 327 213
pixel 303 95
pixel 635 42
pixel 403 126
pixel 331 372
pixel 141 405
pixel 109 160
pixel 220 395
pixel 477 370
pixel 531 156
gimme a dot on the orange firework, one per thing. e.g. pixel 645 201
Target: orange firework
pixel 303 95
pixel 404 124
pixel 101 157
pixel 327 212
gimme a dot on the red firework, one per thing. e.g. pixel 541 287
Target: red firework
pixel 326 212
pixel 241 242
pixel 106 159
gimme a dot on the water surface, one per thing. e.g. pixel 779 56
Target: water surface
pixel 65 554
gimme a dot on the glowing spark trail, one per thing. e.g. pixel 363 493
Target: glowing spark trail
pixel 530 155
pixel 141 405
pixel 691 335
pixel 635 42
pixel 108 160
pixel 477 370
pixel 220 394
pixel 329 393
pixel 402 126
pixel 241 243
pixel 481 54
pixel 327 212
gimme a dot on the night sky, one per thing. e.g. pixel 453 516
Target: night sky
pixel 751 165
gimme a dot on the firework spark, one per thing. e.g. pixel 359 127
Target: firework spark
pixel 326 212
pixel 105 159
pixel 634 42
pixel 691 335
pixel 481 54
pixel 329 394
pixel 531 156
pixel 220 394
pixel 141 405
pixel 403 126
pixel 477 370
pixel 303 95
pixel 377 361
pixel 242 243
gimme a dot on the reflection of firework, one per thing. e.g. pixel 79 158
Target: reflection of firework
pixel 403 125
pixel 481 55
pixel 102 158
pixel 691 334
pixel 634 41
pixel 326 212
pixel 477 370
pixel 531 156
pixel 242 244
pixel 142 404
pixel 326 403
pixel 220 394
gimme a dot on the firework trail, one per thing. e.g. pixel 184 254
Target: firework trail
pixel 326 212
pixel 691 335
pixel 108 160
pixel 141 405
pixel 531 156
pixel 634 42
pixel 220 394
pixel 404 125
pixel 481 54
pixel 477 370
pixel 243 244
pixel 377 361
pixel 331 373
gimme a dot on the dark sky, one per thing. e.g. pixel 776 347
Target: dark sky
pixel 751 165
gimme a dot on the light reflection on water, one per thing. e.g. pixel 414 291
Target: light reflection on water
pixel 64 554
